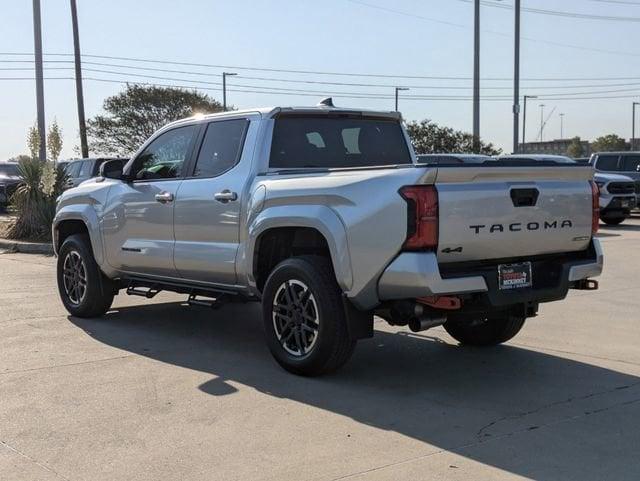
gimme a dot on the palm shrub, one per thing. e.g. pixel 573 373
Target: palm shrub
pixel 34 201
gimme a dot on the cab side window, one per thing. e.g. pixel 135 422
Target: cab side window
pixel 221 148
pixel 164 157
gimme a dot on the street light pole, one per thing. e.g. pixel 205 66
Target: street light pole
pixel 561 126
pixel 524 116
pixel 476 77
pixel 541 120
pixel 84 148
pixel 398 89
pixel 224 88
pixel 633 125
pixel 516 76
pixel 37 40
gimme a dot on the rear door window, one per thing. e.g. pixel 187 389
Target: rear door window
pixel 607 162
pixel 330 142
pixel 631 163
pixel 221 147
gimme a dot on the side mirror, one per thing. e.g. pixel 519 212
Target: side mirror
pixel 112 169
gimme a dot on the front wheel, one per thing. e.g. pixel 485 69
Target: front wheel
pixel 85 291
pixel 304 318
pixel 612 220
pixel 485 332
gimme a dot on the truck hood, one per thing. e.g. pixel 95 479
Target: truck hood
pixel 599 176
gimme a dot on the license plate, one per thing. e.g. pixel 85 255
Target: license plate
pixel 625 203
pixel 514 276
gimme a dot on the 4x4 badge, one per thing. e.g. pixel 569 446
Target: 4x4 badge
pixel 449 250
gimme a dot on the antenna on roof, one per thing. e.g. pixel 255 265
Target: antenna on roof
pixel 326 102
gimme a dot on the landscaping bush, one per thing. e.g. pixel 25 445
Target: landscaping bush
pixel 34 201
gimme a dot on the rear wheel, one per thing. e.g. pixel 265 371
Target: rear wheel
pixel 612 220
pixel 304 318
pixel 485 332
pixel 84 290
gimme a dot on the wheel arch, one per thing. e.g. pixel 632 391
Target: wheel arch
pixel 85 221
pixel 297 230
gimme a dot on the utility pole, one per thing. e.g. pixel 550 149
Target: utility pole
pixel 224 88
pixel 398 89
pixel 516 77
pixel 561 126
pixel 37 41
pixel 633 125
pixel 524 116
pixel 476 77
pixel 84 147
pixel 541 120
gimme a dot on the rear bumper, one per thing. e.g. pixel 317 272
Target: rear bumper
pixel 414 274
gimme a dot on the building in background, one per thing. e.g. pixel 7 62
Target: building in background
pixel 554 147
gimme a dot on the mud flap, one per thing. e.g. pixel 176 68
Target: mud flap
pixel 359 323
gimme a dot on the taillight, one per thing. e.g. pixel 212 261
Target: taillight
pixel 595 207
pixel 422 219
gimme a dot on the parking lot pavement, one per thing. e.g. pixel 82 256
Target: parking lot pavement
pixel 158 390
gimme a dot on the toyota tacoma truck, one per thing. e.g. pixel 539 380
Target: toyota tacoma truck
pixel 325 216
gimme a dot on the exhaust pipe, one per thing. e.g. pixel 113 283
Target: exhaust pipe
pixel 423 323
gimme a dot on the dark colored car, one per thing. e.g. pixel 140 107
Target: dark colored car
pixel 84 169
pixel 9 180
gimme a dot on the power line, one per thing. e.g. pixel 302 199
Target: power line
pixel 558 13
pixel 497 33
pixel 311 82
pixel 351 74
pixel 354 95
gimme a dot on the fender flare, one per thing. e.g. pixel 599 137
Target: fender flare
pixel 87 215
pixel 318 217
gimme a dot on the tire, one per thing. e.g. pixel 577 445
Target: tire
pixel 489 332
pixel 324 344
pixel 76 257
pixel 612 220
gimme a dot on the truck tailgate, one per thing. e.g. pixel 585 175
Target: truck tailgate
pixel 511 212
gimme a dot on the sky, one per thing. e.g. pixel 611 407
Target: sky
pixel 395 40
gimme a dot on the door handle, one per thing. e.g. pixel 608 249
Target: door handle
pixel 164 197
pixel 225 196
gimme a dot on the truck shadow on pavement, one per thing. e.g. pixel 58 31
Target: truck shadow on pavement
pixel 529 413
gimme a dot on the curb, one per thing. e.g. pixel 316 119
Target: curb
pixel 26 247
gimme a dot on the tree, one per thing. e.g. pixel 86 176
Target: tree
pixel 33 142
pixel 608 143
pixel 428 137
pixel 137 112
pixel 54 141
pixel 575 148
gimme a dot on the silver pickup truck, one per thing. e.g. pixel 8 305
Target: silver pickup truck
pixel 325 216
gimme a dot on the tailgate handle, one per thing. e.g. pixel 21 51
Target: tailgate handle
pixel 524 197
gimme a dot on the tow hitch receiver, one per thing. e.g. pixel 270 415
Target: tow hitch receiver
pixel 586 285
pixel 448 303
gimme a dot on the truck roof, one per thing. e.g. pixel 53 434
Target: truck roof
pixel 272 112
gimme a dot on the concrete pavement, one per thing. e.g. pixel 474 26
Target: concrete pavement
pixel 158 390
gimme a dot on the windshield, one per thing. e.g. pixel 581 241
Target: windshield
pixel 329 142
pixel 9 170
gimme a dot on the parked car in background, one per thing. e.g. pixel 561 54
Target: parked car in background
pixel 617 197
pixel 444 159
pixel 624 163
pixel 9 180
pixel 84 169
